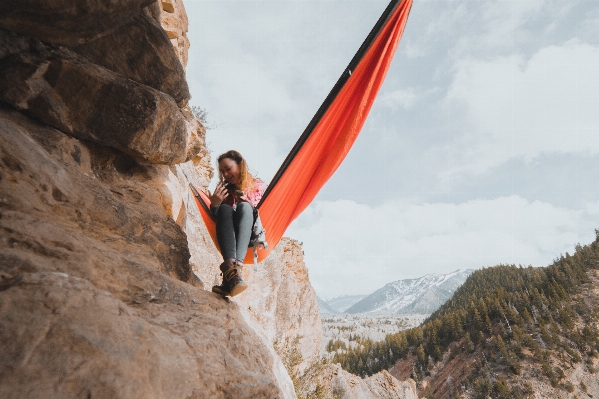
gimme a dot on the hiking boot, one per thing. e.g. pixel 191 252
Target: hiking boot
pixel 224 289
pixel 234 278
pixel 233 283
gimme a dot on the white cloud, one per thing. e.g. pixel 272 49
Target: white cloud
pixel 590 23
pixel 517 109
pixel 354 248
pixel 593 209
pixel 399 99
pixel 413 50
pixel 488 27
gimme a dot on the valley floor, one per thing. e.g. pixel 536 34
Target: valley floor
pixel 347 328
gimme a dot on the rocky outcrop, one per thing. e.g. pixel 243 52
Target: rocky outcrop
pixel 174 21
pixel 97 295
pixel 379 385
pixel 281 301
pixel 89 102
pixel 154 64
pixel 68 23
pixel 117 81
pixel 331 381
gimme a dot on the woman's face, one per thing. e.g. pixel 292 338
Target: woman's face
pixel 230 170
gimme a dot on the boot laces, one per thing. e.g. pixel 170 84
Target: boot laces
pixel 229 274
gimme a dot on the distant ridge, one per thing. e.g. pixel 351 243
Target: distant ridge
pixel 344 302
pixel 423 295
pixel 325 308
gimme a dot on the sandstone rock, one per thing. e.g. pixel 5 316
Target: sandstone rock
pixel 92 295
pixel 141 51
pixel 89 102
pixel 68 23
pixel 154 10
pixel 196 145
pixel 168 6
pixel 13 43
pixel 174 21
pixel 98 297
pixel 379 385
pixel 75 340
pixel 281 302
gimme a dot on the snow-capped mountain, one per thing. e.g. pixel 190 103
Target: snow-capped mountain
pixel 423 295
pixel 344 302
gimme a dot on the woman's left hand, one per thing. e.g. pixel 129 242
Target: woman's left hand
pixel 242 198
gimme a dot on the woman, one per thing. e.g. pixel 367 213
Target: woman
pixel 232 205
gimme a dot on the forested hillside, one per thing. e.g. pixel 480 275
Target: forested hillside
pixel 501 319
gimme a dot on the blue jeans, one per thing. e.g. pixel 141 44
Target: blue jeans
pixel 234 229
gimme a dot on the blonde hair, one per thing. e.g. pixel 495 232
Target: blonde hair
pixel 246 180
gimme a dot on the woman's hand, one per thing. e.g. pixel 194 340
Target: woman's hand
pixel 220 194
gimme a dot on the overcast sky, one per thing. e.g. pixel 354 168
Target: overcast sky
pixel 482 147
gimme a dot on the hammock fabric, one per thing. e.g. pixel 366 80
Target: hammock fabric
pixel 329 136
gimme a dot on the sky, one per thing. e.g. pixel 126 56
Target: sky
pixel 481 149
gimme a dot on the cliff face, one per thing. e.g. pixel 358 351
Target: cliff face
pixel 174 21
pixel 281 301
pixel 97 296
pixel 97 293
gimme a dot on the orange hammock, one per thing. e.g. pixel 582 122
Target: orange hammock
pixel 329 136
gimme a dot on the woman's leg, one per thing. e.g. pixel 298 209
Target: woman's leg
pixel 225 231
pixel 243 220
pixel 233 283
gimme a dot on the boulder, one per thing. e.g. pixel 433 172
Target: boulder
pixel 97 298
pixel 68 23
pixel 87 101
pixel 141 51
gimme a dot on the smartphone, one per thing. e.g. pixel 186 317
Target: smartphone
pixel 230 187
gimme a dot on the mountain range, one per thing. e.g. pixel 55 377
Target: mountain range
pixel 422 295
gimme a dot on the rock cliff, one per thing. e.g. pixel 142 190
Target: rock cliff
pixel 281 301
pixel 103 254
pixel 331 381
pixel 174 21
pixel 98 297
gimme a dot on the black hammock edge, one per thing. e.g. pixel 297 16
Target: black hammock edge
pixel 376 30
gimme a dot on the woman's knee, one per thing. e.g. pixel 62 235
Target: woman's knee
pixel 244 207
pixel 224 210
